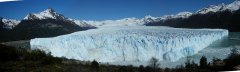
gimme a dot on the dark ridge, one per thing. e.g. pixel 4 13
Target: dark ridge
pixel 223 20
pixel 29 29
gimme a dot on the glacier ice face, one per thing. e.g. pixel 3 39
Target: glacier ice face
pixel 129 43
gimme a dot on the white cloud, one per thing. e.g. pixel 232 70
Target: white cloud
pixel 8 0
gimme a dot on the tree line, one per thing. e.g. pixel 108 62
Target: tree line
pixel 25 60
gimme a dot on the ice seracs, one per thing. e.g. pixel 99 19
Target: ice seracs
pixel 129 43
pixel 46 14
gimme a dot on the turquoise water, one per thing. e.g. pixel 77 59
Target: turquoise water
pixel 221 48
pixel 232 40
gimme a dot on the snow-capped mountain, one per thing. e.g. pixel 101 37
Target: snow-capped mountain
pixel 121 22
pixel 82 23
pixel 132 21
pixel 234 6
pixel 150 19
pixel 47 23
pixel 136 21
pixel 179 15
pixel 225 16
pixel 182 15
pixel 221 7
pixel 212 8
pixel 47 14
pixel 9 23
pixel 51 14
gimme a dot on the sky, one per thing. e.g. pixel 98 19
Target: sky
pixel 104 9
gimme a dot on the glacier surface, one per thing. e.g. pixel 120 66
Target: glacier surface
pixel 129 43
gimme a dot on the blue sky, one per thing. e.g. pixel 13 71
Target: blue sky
pixel 104 9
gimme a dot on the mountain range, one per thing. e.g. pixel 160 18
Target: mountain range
pixel 215 16
pixel 49 23
pixel 45 24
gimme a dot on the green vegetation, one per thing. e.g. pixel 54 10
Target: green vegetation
pixel 26 60
pixel 203 62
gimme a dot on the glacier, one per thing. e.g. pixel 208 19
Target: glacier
pixel 129 43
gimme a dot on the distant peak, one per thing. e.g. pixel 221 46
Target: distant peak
pixel 49 10
pixel 46 14
pixel 30 16
pixel 184 13
pixel 149 17
pixel 212 8
pixel 9 23
pixel 221 7
pixel 234 5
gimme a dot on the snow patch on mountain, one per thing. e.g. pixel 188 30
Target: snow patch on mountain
pixel 122 22
pixel 10 23
pixel 46 14
pixel 179 15
pixel 51 14
pixel 183 15
pixel 233 6
pixel 150 19
pixel 81 23
pixel 221 7
pixel 129 43
pixel 212 8
pixel 136 21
